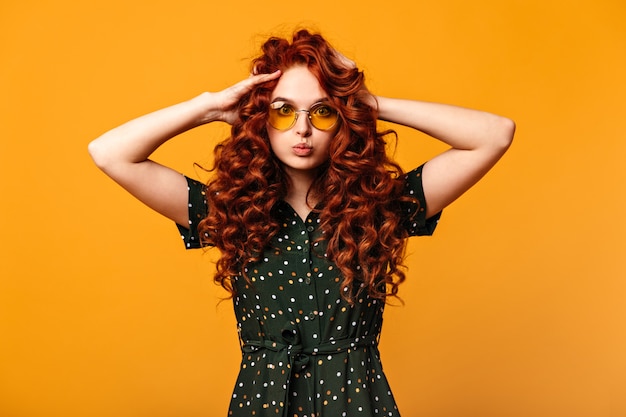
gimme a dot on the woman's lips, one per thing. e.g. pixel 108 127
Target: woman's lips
pixel 302 149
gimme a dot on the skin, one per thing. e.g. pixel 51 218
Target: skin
pixel 476 139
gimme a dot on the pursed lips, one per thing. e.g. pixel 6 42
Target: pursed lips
pixel 302 149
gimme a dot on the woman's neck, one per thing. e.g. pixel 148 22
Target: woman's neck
pixel 298 195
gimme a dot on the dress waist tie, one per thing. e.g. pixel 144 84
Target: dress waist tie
pixel 298 357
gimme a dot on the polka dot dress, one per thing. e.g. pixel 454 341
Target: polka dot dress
pixel 305 350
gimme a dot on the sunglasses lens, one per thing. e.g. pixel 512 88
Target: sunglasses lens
pixel 281 115
pixel 323 117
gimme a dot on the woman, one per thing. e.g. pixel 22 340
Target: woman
pixel 310 216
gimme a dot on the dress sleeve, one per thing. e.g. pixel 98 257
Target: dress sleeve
pixel 416 222
pixel 197 211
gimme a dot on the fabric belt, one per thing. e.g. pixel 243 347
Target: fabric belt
pixel 298 358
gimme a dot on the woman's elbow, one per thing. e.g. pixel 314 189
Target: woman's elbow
pixel 98 153
pixel 508 130
pixel 504 131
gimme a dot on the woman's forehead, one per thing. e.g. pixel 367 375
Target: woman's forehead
pixel 298 85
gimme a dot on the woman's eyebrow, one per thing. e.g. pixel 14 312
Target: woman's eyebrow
pixel 286 100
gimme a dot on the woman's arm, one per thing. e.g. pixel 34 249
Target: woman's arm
pixel 477 141
pixel 123 152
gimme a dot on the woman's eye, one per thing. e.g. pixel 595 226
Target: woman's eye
pixel 323 111
pixel 285 110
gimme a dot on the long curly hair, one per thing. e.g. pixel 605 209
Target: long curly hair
pixel 359 186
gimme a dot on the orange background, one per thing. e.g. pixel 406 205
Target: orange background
pixel 514 308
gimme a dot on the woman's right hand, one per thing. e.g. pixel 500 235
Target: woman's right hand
pixel 225 101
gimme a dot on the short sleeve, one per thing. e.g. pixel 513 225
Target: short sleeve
pixel 197 211
pixel 416 222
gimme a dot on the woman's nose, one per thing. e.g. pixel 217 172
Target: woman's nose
pixel 303 124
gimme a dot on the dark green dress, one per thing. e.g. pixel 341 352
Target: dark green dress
pixel 305 350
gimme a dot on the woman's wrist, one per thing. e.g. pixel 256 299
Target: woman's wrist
pixel 207 108
pixel 385 108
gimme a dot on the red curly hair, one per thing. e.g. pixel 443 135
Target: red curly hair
pixel 360 187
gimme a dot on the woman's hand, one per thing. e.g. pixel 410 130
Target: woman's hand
pixel 366 96
pixel 345 60
pixel 225 101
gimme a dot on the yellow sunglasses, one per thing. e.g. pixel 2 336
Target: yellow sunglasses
pixel 283 116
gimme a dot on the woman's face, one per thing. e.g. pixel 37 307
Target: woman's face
pixel 302 148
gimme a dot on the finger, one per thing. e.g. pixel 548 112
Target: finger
pixel 253 80
pixel 256 79
pixel 345 60
pixel 261 78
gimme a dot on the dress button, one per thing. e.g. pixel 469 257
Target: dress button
pixel 310 228
pixel 307 280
